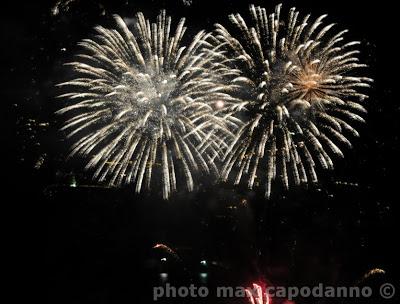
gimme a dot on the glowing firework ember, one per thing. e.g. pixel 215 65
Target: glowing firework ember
pixel 142 103
pixel 257 296
pixel 299 95
pixel 166 249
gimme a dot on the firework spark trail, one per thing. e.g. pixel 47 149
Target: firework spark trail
pixel 168 250
pixel 143 106
pixel 298 95
pixel 256 295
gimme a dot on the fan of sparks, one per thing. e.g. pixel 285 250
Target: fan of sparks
pixel 142 108
pixel 297 92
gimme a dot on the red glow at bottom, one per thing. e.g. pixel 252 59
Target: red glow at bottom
pixel 257 295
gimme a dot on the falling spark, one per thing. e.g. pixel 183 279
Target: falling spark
pixel 167 250
pixel 371 273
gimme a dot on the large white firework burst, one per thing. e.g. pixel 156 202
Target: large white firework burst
pixel 298 94
pixel 142 107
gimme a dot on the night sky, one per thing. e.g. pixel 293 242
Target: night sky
pixel 95 244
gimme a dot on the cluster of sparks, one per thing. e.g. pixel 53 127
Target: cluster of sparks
pixel 256 295
pixel 143 102
pixel 297 96
pixel 268 99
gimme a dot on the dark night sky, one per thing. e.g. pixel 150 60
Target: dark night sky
pixel 96 243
